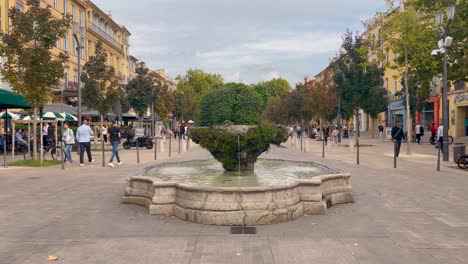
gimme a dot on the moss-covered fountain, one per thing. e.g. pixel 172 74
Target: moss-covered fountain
pixel 237 188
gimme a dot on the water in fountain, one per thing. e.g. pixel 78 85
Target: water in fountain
pixel 211 173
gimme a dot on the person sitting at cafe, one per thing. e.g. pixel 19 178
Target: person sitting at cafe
pixel 19 138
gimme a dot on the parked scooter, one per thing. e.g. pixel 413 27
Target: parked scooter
pixel 145 141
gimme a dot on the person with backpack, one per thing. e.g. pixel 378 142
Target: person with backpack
pixel 114 136
pixel 397 136
pixel 417 132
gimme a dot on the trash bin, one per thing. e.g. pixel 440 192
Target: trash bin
pixel 458 151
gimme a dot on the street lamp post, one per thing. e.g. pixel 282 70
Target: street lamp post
pixel 81 30
pixel 444 44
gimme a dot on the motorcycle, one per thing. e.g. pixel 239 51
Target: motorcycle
pixel 145 141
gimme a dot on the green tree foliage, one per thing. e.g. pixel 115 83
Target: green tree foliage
pixel 185 105
pixel 30 67
pixel 224 143
pixel 101 86
pixel 457 56
pixel 139 91
pixel 163 97
pixel 272 90
pixel 190 88
pixel 233 102
pixel 359 83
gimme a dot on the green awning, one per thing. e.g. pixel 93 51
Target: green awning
pixel 9 99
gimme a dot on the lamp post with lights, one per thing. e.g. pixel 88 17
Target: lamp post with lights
pixel 444 43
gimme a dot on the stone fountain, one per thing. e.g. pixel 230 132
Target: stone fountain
pixel 239 189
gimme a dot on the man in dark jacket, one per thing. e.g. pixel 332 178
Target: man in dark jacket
pixel 397 136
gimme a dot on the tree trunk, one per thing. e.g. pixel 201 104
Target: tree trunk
pixel 102 142
pixel 358 134
pixel 35 135
pixel 373 128
pixel 409 122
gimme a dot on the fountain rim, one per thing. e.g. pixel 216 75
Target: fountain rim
pixel 317 180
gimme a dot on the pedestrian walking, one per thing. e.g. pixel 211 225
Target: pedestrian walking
pixel 440 137
pixel 335 134
pixel 114 136
pixel 299 131
pixel 45 135
pixel 104 133
pixel 381 132
pixel 417 132
pixel 326 134
pixel 69 139
pixel 182 131
pixel 397 136
pixel 84 134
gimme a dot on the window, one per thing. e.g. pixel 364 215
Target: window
pixel 65 43
pixel 65 7
pixel 19 7
pixel 90 47
pixel 55 4
pixel 395 56
pixel 81 17
pixel 386 84
pixel 66 76
pixel 75 76
pixel 460 85
pixel 57 44
pixel 395 83
pixel 75 47
pixel 73 13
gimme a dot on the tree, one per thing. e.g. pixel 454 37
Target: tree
pixel 273 89
pixel 138 91
pixel 31 69
pixel 411 34
pixel 194 84
pixel 163 97
pixel 457 57
pixel 101 86
pixel 185 105
pixel 233 103
pixel 356 78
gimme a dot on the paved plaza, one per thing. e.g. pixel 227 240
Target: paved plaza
pixel 412 214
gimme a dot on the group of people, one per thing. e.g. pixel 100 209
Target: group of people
pixel 84 133
pixel 182 130
pixel 398 134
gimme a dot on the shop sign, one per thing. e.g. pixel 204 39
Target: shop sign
pixel 460 98
pixel 396 104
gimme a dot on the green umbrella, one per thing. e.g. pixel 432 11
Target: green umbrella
pixel 8 99
pixel 5 115
pixel 69 117
pixel 27 118
pixel 52 116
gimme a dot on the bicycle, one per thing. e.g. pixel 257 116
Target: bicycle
pixel 433 140
pixel 462 162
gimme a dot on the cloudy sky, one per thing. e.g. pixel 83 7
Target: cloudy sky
pixel 244 40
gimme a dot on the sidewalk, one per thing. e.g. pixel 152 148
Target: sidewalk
pixel 412 214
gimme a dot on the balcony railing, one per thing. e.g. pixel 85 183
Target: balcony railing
pixel 106 36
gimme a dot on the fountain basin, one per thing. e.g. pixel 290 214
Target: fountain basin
pixel 239 205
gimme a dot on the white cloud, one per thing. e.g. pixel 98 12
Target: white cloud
pixel 302 43
pixel 270 75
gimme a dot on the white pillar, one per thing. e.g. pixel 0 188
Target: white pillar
pixel 161 146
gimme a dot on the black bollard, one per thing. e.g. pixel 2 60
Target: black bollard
pixel 138 151
pixel 394 154
pixel 170 145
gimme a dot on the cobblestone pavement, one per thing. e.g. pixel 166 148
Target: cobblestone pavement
pixel 412 214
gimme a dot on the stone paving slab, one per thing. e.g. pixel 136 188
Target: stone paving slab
pixel 411 214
